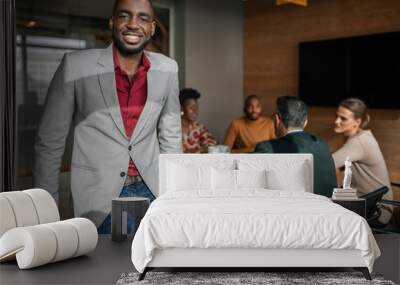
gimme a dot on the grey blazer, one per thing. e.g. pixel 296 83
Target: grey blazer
pixel 83 92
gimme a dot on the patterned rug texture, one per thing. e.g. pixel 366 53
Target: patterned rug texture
pixel 243 278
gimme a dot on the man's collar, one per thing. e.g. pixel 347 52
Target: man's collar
pixel 294 131
pixel 144 62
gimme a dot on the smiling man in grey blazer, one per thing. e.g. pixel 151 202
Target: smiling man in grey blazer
pixel 123 103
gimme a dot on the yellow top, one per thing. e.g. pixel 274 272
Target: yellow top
pixel 243 134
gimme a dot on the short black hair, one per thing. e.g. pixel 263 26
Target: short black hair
pixel 117 1
pixel 188 93
pixel 292 111
pixel 248 100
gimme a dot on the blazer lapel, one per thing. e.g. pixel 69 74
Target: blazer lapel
pixel 148 107
pixel 106 77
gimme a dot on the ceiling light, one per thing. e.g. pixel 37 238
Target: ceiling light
pixel 30 24
pixel 297 2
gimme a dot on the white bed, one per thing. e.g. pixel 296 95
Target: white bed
pixel 224 218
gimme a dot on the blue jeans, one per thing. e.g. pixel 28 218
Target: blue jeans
pixel 138 189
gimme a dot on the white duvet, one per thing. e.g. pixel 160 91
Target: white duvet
pixel 252 218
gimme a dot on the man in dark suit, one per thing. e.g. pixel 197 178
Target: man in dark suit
pixel 290 120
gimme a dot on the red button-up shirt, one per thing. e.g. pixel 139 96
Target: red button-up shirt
pixel 132 96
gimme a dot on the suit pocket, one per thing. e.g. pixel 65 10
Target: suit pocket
pixel 85 167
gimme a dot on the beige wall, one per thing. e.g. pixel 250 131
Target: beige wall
pixel 213 59
pixel 271 37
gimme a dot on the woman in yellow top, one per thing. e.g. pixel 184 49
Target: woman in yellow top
pixel 244 133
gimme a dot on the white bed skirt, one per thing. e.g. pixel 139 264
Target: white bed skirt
pixel 189 257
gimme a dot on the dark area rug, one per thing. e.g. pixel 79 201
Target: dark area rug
pixel 228 278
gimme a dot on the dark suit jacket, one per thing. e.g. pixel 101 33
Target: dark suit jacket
pixel 302 142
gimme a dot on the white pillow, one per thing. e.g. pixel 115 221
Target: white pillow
pixel 223 179
pixel 188 177
pixel 291 179
pixel 251 179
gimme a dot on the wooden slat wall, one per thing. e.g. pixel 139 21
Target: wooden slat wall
pixel 271 37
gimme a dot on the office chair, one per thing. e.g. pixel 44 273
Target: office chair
pixel 373 199
pixel 373 211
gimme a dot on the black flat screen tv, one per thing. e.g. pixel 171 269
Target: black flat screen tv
pixel 367 67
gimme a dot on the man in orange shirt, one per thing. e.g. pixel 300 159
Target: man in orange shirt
pixel 244 133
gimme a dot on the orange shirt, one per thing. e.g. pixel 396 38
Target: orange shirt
pixel 243 134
